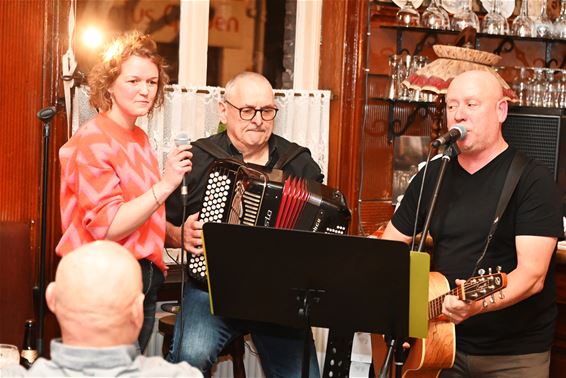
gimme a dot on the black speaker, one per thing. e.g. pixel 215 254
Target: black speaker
pixel 541 134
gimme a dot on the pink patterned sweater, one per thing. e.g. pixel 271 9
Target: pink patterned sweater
pixel 103 166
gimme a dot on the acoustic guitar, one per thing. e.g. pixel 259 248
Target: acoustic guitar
pixel 427 357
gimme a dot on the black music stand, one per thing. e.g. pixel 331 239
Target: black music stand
pixel 302 279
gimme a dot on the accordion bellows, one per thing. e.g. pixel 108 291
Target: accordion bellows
pixel 253 195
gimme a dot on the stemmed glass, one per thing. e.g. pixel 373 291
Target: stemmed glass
pixel 522 25
pixel 520 85
pixel 543 26
pixel 536 88
pixel 559 25
pixel 549 94
pixel 561 90
pixel 408 15
pixel 435 17
pixel 418 62
pixel 396 70
pixel 494 22
pixel 464 18
pixel 498 10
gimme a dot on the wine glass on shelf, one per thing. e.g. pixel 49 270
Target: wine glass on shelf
pixel 494 22
pixel 536 87
pixel 396 73
pixel 9 355
pixel 561 90
pixel 550 85
pixel 522 25
pixel 543 26
pixel 499 11
pixel 559 24
pixel 434 17
pixel 465 17
pixel 408 15
pixel 520 85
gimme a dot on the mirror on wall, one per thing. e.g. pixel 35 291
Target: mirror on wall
pixel 252 35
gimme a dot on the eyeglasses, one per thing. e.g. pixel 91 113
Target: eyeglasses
pixel 247 113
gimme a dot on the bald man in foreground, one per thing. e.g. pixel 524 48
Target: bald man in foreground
pixel 513 336
pixel 98 301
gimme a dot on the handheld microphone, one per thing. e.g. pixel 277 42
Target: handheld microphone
pixel 455 133
pixel 182 139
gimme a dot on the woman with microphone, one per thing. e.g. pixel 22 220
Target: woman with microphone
pixel 111 186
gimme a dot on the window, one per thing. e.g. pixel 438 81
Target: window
pixel 253 35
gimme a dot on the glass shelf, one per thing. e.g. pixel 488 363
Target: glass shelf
pixel 532 109
pixel 478 35
pixel 399 101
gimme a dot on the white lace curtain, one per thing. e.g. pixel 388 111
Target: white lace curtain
pixel 303 117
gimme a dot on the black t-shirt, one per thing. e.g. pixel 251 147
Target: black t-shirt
pixel 465 210
pixel 302 165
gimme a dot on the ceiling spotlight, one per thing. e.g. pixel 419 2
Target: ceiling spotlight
pixel 92 37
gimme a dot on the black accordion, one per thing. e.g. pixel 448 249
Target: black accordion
pixel 253 195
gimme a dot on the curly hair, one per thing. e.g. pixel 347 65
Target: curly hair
pixel 104 73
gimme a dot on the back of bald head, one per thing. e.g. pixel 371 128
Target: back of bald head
pixel 241 80
pixel 94 288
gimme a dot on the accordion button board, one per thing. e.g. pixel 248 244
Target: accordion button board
pixel 253 195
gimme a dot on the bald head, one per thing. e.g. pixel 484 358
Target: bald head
pixel 483 81
pixel 242 80
pixel 97 295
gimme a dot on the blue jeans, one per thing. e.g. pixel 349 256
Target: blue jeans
pixel 152 278
pixel 205 335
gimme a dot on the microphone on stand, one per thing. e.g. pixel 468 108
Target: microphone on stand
pixel 180 140
pixel 45 115
pixel 455 133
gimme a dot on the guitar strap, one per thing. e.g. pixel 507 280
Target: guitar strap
pixel 511 180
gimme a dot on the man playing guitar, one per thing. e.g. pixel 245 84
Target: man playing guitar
pixel 513 335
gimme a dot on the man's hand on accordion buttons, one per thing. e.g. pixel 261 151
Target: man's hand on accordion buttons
pixel 193 234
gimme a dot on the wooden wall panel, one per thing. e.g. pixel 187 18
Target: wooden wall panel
pixel 16 282
pixel 30 55
pixel 21 49
pixel 21 70
pixel 342 59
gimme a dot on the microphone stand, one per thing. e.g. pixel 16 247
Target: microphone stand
pixel 45 115
pixel 450 151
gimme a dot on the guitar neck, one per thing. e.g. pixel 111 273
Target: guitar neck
pixel 435 305
pixel 473 289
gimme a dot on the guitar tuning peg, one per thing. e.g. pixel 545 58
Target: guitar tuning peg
pixel 481 272
pixel 492 299
pixel 501 295
pixel 484 303
pixel 498 268
pixel 489 270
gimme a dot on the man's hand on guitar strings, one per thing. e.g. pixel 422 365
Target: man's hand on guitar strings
pixel 456 310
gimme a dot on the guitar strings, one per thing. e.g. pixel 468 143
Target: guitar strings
pixel 435 305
